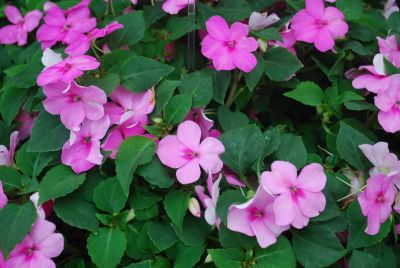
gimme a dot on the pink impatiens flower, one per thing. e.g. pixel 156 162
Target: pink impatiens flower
pixel 21 26
pixel 7 156
pixel 388 104
pixel 390 49
pixel 289 40
pixel 3 200
pixel 319 25
pixel 256 218
pixel 74 103
pixel 376 201
pixel 229 48
pixel 197 115
pixel 174 6
pixel 82 151
pixel 26 121
pixel 185 152
pixel 258 21
pixel 67 70
pixel 210 202
pixel 38 247
pixel 299 197
pixel 129 112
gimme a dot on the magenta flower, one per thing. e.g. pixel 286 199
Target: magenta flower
pixel 256 218
pixel 129 112
pixel 65 26
pixel 38 247
pixel 229 48
pixel 390 49
pixel 3 201
pixel 3 264
pixel 388 104
pixel 7 156
pixel 319 25
pixel 289 40
pixel 21 26
pixel 185 152
pixel 74 103
pixel 299 198
pixel 197 115
pixel 209 202
pixel 82 151
pixel 174 6
pixel 376 201
pixel 25 120
pixel 67 70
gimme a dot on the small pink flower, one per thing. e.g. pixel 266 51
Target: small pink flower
pixel 388 104
pixel 319 25
pixel 209 202
pixel 129 112
pixel 38 247
pixel 25 120
pixel 376 201
pixel 82 151
pixel 258 21
pixel 39 210
pixel 229 48
pixel 174 6
pixel 289 40
pixel 390 49
pixel 194 207
pixel 299 198
pixel 389 8
pixel 169 51
pixel 67 70
pixel 7 156
pixel 3 202
pixel 197 115
pixel 232 178
pixel 256 218
pixel 74 103
pixel 186 153
pixel 21 26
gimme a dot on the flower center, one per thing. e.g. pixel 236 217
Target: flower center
pixel 231 44
pixel 385 170
pixel 77 98
pixel 380 199
pixel 86 140
pixel 293 189
pixel 322 23
pixel 68 65
pixel 30 251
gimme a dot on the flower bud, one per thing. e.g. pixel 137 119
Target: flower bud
pixel 194 207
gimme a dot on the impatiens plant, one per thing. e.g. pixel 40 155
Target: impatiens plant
pixel 184 133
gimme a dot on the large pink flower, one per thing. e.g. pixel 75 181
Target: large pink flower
pixel 376 201
pixel 21 26
pixel 38 247
pixel 229 48
pixel 388 104
pixel 256 218
pixel 390 49
pixel 3 201
pixel 7 156
pixel 174 6
pixel 74 103
pixel 82 151
pixel 319 25
pixel 185 152
pixel 67 70
pixel 299 198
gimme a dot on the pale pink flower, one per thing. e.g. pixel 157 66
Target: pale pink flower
pixel 74 103
pixel 25 120
pixel 3 202
pixel 38 247
pixel 67 70
pixel 65 26
pixel 134 2
pixel 232 178
pixel 18 31
pixel 396 206
pixel 39 209
pixel 319 25
pixel 376 201
pixel 174 6
pixel 299 197
pixel 186 153
pixel 389 8
pixel 129 112
pixel 209 202
pixel 50 58
pixel 256 218
pixel 82 151
pixel 229 48
pixel 390 49
pixel 388 104
pixel 194 207
pixel 7 156
pixel 197 115
pixel 258 21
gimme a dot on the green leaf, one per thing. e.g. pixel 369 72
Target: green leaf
pixel 243 146
pixel 162 235
pixel 233 10
pixel 272 139
pixel 309 243
pixel 292 149
pixel 352 10
pixel 109 196
pixel 307 93
pixel 222 80
pixel 199 85
pixel 178 27
pixel 252 78
pixel 58 182
pixel 132 152
pixel 15 223
pixel 32 164
pixel 77 212
pixel 277 255
pixel 107 83
pixel 164 92
pixel 10 178
pixel 106 247
pixel 177 108
pixel 348 140
pixel 230 120
pixel 176 204
pixel 394 22
pixel 143 199
pixel 11 101
pixel 280 64
pixel 390 68
pixel 48 134
pixel 361 259
pixel 227 257
pixel 384 254
pixel 269 34
pixel 26 75
pixel 156 174
pixel 230 239
pixel 143 264
pixel 357 224
pixel 194 232
pixel 185 256
pixel 132 33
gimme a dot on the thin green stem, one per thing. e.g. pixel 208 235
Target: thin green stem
pixel 232 94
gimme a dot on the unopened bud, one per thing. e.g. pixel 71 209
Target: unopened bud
pixel 194 207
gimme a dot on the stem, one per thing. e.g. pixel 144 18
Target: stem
pixel 232 94
pixel 246 182
pixel 112 8
pixel 94 51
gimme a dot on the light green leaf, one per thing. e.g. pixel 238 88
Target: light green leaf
pixel 307 93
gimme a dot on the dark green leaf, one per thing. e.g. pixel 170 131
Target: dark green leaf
pixel 280 64
pixel 292 149
pixel 199 85
pixel 109 196
pixel 227 257
pixel 277 255
pixel 177 108
pixel 176 204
